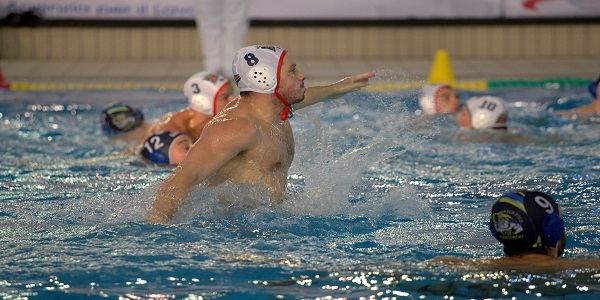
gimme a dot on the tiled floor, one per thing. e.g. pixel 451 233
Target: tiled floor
pixel 322 71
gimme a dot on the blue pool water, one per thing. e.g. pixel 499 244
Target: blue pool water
pixel 372 193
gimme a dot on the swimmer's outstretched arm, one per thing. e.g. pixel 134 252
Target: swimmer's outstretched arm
pixel 218 144
pixel 592 108
pixel 319 93
pixel 578 111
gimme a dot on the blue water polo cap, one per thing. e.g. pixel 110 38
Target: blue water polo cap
pixel 157 147
pixel 593 87
pixel 120 117
pixel 526 219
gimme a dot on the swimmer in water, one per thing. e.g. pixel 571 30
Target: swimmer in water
pixel 485 112
pixel 438 99
pixel 531 229
pixel 207 94
pixel 166 148
pixel 592 108
pixel 483 119
pixel 123 122
pixel 251 140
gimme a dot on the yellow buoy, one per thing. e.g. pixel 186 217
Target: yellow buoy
pixel 441 69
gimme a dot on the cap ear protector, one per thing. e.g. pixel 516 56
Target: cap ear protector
pixel 120 118
pixel 593 87
pixel 157 147
pixel 202 89
pixel 262 78
pixel 526 219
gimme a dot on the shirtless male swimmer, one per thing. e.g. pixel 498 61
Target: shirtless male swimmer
pixel 251 140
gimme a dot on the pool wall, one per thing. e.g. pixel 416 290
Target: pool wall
pixel 130 55
pixel 312 40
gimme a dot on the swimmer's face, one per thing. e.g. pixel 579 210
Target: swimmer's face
pixel 180 148
pixel 291 81
pixel 224 96
pixel 463 118
pixel 447 101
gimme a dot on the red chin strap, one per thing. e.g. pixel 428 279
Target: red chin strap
pixel 288 111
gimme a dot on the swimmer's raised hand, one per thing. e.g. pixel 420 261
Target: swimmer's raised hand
pixel 319 93
pixel 351 84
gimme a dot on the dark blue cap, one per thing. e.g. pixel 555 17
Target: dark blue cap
pixel 157 147
pixel 593 87
pixel 526 219
pixel 120 117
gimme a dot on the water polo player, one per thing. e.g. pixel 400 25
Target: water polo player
pixel 528 222
pixel 166 148
pixel 484 112
pixel 123 122
pixel 592 108
pixel 531 229
pixel 207 95
pixel 251 141
pixel 438 99
pixel 119 117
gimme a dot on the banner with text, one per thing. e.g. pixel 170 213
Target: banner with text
pixel 308 9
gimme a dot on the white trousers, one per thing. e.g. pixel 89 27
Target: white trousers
pixel 222 26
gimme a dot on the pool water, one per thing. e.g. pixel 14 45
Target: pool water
pixel 372 193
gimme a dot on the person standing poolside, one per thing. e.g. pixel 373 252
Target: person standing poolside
pixel 530 227
pixel 251 140
pixel 592 108
pixel 438 99
pixel 222 26
pixel 207 94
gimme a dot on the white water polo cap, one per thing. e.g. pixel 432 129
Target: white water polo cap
pixel 202 89
pixel 487 112
pixel 428 95
pixel 257 69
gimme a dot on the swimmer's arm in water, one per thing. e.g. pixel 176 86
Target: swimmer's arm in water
pixel 218 144
pixel 577 111
pixel 594 107
pixel 319 93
